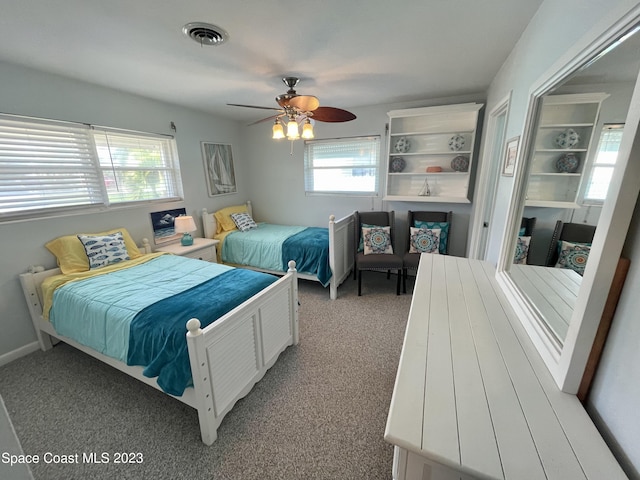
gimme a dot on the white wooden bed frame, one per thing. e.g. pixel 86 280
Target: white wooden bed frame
pixel 341 240
pixel 227 358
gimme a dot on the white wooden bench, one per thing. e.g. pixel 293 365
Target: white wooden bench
pixel 473 399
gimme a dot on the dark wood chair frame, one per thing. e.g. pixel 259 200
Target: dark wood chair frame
pixel 410 261
pixel 376 262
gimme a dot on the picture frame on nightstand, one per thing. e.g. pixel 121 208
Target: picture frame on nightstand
pixel 162 223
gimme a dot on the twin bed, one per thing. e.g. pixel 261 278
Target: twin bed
pixel 201 332
pixel 323 254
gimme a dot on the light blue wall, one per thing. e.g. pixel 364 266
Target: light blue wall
pixel 33 93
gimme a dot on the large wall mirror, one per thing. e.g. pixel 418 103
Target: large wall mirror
pixel 574 199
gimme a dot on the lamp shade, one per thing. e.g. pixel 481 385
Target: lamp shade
pixel 184 224
pixel 307 130
pixel 292 130
pixel 278 131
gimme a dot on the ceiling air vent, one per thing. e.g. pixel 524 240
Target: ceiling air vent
pixel 205 33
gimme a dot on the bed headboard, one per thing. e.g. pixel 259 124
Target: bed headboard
pixel 209 223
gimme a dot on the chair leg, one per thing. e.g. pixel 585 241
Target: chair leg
pixel 398 282
pixel 359 283
pixel 388 274
pixel 404 280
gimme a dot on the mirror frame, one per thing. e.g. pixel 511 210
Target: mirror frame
pixel 566 362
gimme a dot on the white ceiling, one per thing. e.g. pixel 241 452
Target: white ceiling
pixel 349 53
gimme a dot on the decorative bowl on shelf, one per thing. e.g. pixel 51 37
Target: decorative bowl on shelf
pixel 397 164
pixel 568 163
pixel 568 139
pixel 456 142
pixel 460 163
pixel 402 145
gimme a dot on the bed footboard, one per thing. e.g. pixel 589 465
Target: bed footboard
pixel 341 239
pixel 232 354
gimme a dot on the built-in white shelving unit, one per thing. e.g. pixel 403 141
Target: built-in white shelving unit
pixel 422 144
pixel 548 186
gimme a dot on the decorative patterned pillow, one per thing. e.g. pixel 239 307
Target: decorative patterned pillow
pixel 522 231
pixel 361 244
pixel 444 232
pixel 377 240
pixel 522 250
pixel 573 256
pixel 243 221
pixel 424 240
pixel 103 250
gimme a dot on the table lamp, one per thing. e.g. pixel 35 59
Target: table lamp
pixel 185 224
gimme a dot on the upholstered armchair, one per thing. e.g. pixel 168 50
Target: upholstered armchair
pixel 430 220
pixel 375 248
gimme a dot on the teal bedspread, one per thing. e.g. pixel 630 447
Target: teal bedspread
pixel 110 313
pixel 270 247
pixel 310 250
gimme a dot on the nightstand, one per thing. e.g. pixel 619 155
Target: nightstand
pixel 202 249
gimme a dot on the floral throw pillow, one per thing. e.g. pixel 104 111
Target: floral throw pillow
pixel 522 250
pixel 424 240
pixel 103 250
pixel 377 240
pixel 573 256
pixel 444 232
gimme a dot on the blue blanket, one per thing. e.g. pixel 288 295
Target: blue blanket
pixel 310 250
pixel 157 333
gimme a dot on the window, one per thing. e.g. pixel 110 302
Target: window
pixel 49 166
pixel 604 163
pixel 348 166
pixel 137 166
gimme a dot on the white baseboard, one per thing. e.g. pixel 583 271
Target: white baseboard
pixel 19 352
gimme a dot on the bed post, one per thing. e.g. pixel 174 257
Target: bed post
pixel 201 382
pixel 333 261
pixel 294 291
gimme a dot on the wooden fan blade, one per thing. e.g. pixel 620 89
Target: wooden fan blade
pixel 305 103
pixel 254 106
pixel 332 114
pixel 272 117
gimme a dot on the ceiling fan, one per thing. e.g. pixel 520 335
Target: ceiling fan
pixel 300 108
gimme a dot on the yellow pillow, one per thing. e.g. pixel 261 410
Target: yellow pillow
pixel 71 254
pixel 224 222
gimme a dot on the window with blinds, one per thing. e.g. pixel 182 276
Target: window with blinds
pixel 136 166
pixel 603 164
pixel 348 166
pixel 49 166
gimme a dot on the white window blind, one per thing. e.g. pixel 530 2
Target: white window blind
pixel 348 166
pixel 137 166
pixel 49 166
pixel 604 163
pixel 46 165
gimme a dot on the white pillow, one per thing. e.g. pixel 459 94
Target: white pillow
pixel 377 240
pixel 103 250
pixel 522 250
pixel 424 240
pixel 243 221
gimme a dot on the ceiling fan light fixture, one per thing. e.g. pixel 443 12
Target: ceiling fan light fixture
pixel 307 130
pixel 292 130
pixel 278 130
pixel 205 34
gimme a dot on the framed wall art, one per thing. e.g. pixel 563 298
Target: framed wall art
pixel 218 168
pixel 163 225
pixel 510 156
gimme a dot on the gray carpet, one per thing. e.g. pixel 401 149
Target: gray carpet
pixel 319 413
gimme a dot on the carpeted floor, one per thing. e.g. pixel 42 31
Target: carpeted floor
pixel 319 413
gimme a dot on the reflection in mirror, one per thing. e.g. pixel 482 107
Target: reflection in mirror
pixel 571 158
